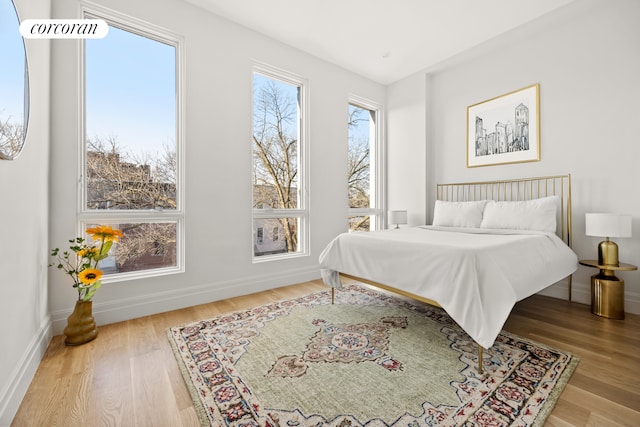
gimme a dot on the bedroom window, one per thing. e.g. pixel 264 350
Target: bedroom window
pixel 131 157
pixel 279 165
pixel 364 170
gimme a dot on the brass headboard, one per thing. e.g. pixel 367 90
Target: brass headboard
pixel 516 189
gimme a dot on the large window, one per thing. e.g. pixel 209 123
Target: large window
pixel 131 169
pixel 279 165
pixel 364 163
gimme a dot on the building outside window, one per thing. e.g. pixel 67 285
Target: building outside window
pixel 279 164
pixel 131 157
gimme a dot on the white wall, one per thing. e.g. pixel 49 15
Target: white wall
pixel 24 317
pixel 586 57
pixel 406 149
pixel 219 60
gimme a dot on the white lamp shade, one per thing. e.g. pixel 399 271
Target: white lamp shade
pixel 398 217
pixel 607 225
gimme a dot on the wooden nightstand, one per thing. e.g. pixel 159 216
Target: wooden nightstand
pixel 607 290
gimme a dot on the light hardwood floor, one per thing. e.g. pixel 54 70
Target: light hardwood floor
pixel 128 375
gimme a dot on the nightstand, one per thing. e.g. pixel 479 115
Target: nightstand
pixel 607 290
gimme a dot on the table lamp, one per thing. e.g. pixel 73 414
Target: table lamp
pixel 397 218
pixel 607 225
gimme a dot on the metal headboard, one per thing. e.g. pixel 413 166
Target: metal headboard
pixel 516 189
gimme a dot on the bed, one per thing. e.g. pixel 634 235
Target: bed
pixel 491 244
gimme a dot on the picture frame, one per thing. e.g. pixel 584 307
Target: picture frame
pixel 505 129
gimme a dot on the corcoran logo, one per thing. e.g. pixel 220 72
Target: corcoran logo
pixel 64 28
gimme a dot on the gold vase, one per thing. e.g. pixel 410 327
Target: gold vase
pixel 81 326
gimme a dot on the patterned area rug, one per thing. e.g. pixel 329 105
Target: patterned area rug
pixel 368 360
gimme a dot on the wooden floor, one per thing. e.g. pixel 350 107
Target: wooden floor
pixel 128 375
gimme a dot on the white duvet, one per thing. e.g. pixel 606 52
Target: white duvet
pixel 476 275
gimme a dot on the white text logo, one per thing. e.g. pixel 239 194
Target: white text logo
pixel 64 28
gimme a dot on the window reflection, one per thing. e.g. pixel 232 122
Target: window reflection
pixel 14 88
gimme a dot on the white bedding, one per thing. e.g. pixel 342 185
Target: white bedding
pixel 476 275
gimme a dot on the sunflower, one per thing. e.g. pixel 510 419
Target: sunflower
pixel 105 232
pixel 87 253
pixel 89 276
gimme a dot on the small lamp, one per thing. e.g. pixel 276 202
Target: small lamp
pixel 607 225
pixel 398 217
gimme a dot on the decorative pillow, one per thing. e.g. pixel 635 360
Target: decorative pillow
pixel 537 214
pixel 458 214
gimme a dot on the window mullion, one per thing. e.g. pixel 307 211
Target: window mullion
pixel 278 213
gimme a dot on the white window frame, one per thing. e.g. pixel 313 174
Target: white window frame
pixel 86 217
pixel 377 166
pixel 302 213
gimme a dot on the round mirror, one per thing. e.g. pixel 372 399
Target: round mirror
pixel 14 83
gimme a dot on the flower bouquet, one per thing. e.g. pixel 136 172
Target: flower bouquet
pixel 81 262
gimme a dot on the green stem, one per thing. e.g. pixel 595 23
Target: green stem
pixel 99 252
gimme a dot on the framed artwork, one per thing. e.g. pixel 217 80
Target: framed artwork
pixel 505 129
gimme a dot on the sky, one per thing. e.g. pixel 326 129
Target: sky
pixel 361 127
pixel 131 90
pixel 130 85
pixel 12 69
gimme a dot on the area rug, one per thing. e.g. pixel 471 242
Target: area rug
pixel 370 359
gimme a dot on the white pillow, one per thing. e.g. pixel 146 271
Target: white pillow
pixel 537 214
pixel 458 214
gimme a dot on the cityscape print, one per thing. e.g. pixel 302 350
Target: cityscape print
pixel 504 129
pixel 504 136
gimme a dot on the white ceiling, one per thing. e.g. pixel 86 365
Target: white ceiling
pixel 384 40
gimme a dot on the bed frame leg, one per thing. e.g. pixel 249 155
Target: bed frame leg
pixel 333 295
pixel 480 370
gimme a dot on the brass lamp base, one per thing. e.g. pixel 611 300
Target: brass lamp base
pixel 608 253
pixel 607 295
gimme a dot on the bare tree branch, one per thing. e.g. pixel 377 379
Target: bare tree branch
pixel 116 179
pixel 11 137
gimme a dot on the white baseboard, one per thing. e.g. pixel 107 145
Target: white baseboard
pixel 631 303
pixel 16 386
pixel 131 308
